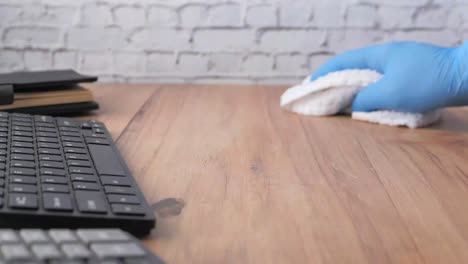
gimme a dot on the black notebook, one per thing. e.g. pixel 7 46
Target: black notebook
pixel 54 92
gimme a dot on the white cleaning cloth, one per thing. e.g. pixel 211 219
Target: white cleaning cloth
pixel 335 92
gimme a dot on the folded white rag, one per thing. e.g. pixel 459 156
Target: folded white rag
pixel 335 92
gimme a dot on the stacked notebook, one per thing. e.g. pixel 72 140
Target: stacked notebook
pixel 46 92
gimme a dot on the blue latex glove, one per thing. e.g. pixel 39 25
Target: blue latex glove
pixel 418 77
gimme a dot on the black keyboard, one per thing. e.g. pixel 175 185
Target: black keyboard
pixel 66 173
pixel 64 246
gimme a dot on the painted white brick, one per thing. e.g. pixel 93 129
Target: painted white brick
pixel 192 63
pixel 64 60
pixel 160 39
pixel 161 62
pixel 36 14
pixel 96 62
pixel 261 15
pixel 225 15
pixel 37 60
pixel 96 15
pixel 295 13
pixel 8 13
pixel 315 61
pixel 458 17
pixel 292 40
pixel 129 16
pixel 96 38
pixel 432 17
pixel 223 40
pixel 161 16
pixel 36 37
pixel 129 63
pixel 225 62
pixel 362 16
pixel 11 61
pixel 257 63
pixel 395 17
pixel 445 38
pixel 339 41
pixel 397 2
pixel 328 14
pixel 291 63
pixel 193 15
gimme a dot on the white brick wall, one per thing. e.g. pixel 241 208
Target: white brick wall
pixel 212 41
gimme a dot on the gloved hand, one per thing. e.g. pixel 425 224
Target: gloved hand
pixel 418 77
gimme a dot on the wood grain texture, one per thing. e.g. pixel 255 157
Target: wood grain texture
pixel 254 184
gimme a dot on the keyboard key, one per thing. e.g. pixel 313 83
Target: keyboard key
pixel 23 134
pixel 3 146
pixel 106 161
pixel 66 122
pixel 93 135
pixel 22 128
pixel 76 251
pixel 74 150
pixel 85 186
pixel 51 164
pixel 23 164
pixel 23 188
pixel 15 252
pixel 22 201
pixel 23 171
pixel 44 118
pixel 117 181
pixel 62 235
pixel 50 135
pixel 76 157
pixel 22 144
pixel 79 163
pixel 81 170
pixel 50 157
pixel 99 141
pixel 124 199
pixel 118 190
pixel 70 134
pixel 55 188
pixel 72 139
pixel 33 236
pixel 73 144
pixel 102 235
pixel 22 138
pixel 53 172
pixel 57 202
pixel 8 236
pixel 99 131
pixel 117 250
pixel 42 124
pixel 48 145
pixel 23 179
pixel 46 251
pixel 22 157
pixel 48 151
pixel 22 151
pixel 71 129
pixel 47 139
pixel 54 179
pixel 83 177
pixel 127 209
pixel 91 202
pixel 46 129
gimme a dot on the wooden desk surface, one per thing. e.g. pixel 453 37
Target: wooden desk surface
pixel 248 183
